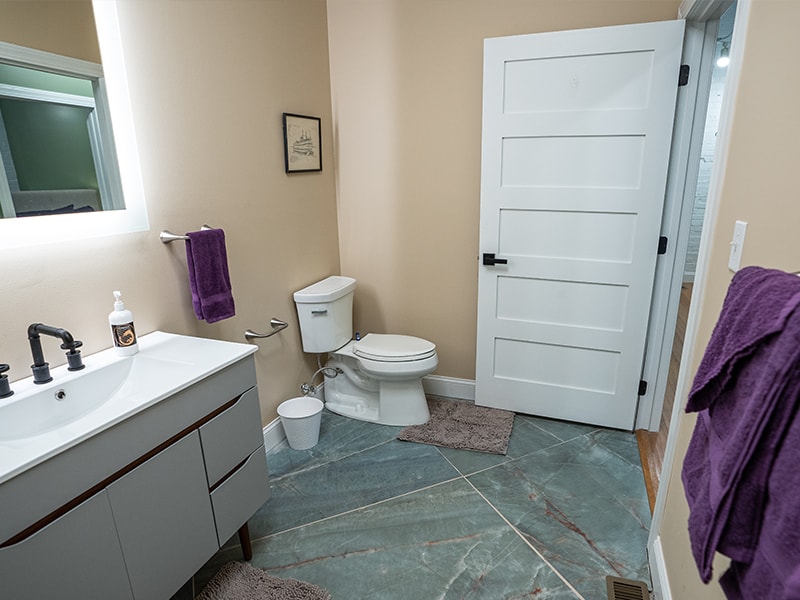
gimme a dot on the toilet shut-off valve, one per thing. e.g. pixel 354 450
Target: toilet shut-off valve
pixel 309 389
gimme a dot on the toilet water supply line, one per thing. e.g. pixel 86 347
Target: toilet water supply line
pixel 309 389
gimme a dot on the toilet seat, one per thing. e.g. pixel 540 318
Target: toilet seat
pixel 393 348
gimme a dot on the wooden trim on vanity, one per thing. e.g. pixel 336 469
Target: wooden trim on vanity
pixel 228 474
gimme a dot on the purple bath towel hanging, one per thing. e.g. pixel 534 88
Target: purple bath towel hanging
pixel 209 281
pixel 747 393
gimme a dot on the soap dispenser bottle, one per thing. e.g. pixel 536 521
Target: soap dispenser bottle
pixel 122 331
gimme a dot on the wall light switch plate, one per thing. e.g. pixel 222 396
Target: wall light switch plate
pixel 737 245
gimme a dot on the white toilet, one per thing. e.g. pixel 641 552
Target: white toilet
pixel 379 377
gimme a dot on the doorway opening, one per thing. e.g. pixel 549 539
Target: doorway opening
pixel 652 444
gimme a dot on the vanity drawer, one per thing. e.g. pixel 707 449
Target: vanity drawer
pixel 238 497
pixel 231 436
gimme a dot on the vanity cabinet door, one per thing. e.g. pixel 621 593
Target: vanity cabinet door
pixel 164 519
pixel 76 557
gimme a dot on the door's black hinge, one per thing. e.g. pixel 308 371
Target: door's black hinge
pixel 642 387
pixel 683 78
pixel 662 244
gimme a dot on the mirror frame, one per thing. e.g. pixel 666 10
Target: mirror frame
pixel 35 231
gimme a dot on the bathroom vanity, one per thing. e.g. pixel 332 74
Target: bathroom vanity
pixel 129 500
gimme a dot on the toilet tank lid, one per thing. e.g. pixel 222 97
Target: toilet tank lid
pixel 327 290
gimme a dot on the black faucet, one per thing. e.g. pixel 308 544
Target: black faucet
pixel 5 388
pixel 41 369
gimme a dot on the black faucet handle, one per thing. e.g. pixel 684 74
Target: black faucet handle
pixel 5 388
pixel 74 355
pixel 72 346
pixel 74 361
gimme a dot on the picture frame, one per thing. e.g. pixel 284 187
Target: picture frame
pixel 302 143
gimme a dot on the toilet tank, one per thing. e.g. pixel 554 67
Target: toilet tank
pixel 325 311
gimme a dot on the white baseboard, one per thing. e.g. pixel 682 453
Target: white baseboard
pixel 273 434
pixel 449 387
pixel 658 571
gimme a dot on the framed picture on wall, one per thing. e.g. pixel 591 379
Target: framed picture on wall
pixel 302 143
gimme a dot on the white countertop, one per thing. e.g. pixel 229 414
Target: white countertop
pixel 165 364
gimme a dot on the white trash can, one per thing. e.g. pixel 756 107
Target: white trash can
pixel 301 418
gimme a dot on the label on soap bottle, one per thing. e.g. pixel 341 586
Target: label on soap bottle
pixel 124 335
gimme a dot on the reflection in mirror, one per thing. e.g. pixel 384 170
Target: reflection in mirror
pixel 56 143
pixel 83 170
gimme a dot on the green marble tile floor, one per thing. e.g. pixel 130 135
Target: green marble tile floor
pixel 368 517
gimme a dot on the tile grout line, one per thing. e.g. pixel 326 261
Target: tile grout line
pixel 525 541
pixel 327 462
pixel 507 522
pixel 353 510
pixel 510 459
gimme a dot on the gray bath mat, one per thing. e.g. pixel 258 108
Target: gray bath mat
pixel 463 426
pixel 240 581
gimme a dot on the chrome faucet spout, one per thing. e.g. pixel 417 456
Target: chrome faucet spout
pixel 40 368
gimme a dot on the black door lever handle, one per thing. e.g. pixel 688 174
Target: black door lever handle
pixel 489 259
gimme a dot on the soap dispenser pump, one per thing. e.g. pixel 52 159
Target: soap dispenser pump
pixel 122 330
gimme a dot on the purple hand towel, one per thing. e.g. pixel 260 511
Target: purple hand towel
pixel 208 275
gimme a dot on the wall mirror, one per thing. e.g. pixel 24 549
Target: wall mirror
pixel 69 167
pixel 56 141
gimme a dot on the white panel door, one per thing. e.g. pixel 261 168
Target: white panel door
pixel 576 139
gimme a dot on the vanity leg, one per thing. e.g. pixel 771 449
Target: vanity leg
pixel 244 540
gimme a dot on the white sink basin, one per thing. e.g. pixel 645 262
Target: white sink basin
pixel 39 421
pixel 58 403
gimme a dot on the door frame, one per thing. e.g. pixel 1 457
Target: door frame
pixel 698 11
pixel 690 114
pixel 684 165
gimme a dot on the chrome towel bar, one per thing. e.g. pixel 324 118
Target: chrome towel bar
pixel 277 325
pixel 167 236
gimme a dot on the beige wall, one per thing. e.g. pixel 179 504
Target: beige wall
pixel 60 26
pixel 760 187
pixel 406 87
pixel 208 80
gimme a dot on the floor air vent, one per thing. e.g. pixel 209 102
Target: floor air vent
pixel 626 589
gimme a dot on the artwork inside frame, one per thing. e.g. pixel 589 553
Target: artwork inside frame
pixel 302 143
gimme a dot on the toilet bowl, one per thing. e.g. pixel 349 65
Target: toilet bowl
pixel 382 387
pixel 395 357
pixel 378 377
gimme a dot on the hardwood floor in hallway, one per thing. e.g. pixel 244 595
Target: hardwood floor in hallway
pixel 653 443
